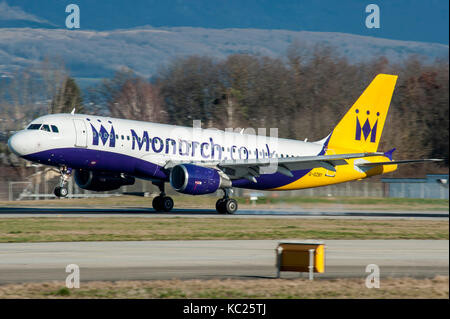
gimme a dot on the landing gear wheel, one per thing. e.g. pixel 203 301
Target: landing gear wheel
pixel 157 203
pixel 220 206
pixel 161 203
pixel 57 191
pixel 226 206
pixel 61 191
pixel 231 206
pixel 64 191
pixel 167 204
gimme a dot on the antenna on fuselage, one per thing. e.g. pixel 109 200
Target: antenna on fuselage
pixel 73 111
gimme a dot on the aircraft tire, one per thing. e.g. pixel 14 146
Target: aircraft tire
pixel 63 191
pixel 57 191
pixel 220 207
pixel 157 203
pixel 231 206
pixel 167 203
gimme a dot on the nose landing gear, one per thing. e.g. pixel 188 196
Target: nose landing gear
pixel 61 190
pixel 226 205
pixel 162 203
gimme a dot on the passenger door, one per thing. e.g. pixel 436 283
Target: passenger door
pixel 81 133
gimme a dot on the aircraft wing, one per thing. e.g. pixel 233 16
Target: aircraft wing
pixel 251 168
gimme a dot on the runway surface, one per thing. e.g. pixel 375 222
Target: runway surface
pixel 148 260
pixel 12 212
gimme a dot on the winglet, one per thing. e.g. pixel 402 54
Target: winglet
pixel 73 111
pixel 388 154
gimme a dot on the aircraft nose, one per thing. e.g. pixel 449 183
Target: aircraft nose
pixel 17 144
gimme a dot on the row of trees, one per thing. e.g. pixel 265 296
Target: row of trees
pixel 303 94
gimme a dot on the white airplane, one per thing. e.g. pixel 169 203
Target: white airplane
pixel 106 153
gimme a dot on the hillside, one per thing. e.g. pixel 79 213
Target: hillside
pixel 96 54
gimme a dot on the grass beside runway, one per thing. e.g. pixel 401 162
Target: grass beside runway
pixel 53 229
pixel 208 202
pixel 437 287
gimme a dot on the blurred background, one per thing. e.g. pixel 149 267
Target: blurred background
pixel 293 65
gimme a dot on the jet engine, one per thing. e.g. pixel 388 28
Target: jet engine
pixel 197 180
pixel 101 181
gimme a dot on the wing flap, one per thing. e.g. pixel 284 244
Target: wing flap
pixel 339 158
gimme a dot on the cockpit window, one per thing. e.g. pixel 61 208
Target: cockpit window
pixel 45 127
pixel 55 129
pixel 34 127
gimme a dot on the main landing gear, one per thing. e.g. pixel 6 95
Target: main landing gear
pixel 226 205
pixel 162 203
pixel 61 190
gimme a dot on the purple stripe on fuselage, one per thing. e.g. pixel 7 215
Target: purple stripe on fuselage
pixel 81 158
pixel 99 160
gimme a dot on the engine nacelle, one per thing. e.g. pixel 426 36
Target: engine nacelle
pixel 196 180
pixel 101 181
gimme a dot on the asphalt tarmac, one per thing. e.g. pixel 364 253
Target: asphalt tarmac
pixel 204 259
pixel 13 212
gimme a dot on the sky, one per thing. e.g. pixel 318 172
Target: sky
pixel 410 20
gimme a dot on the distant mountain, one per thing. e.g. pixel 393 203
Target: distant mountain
pixel 96 54
pixel 409 20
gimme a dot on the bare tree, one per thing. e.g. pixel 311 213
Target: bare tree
pixel 67 98
pixel 139 100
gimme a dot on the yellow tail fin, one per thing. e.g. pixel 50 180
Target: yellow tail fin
pixel 360 128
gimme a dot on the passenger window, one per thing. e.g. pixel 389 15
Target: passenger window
pixel 55 129
pixel 128 137
pixel 34 127
pixel 45 127
pixel 122 137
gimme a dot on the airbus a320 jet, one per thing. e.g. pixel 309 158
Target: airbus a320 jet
pixel 106 153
